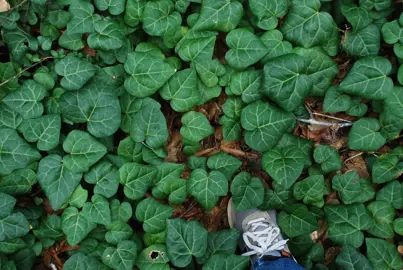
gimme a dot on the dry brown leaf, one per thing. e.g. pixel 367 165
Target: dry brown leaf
pixel 356 162
pixel 4 5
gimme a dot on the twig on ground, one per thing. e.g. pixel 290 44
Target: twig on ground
pixel 188 210
pixel 353 157
pixel 25 69
pixel 328 124
pixel 207 151
pixel 238 153
pixel 11 10
pixel 332 117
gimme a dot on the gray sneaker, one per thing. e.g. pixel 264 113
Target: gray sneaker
pixel 261 235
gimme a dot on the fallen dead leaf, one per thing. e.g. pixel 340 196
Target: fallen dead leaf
pixel 174 147
pixel 4 5
pixel 331 254
pixel 357 163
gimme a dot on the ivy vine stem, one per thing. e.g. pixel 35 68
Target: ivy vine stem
pixel 11 10
pixel 26 69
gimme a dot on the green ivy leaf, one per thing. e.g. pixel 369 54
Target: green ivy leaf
pixel 224 163
pixel 19 182
pixel 264 125
pixel 398 225
pixel 297 221
pixel 181 90
pixel 120 211
pixel 82 17
pixel 159 16
pixel 185 239
pixel 94 105
pixel 174 187
pixel 44 130
pixel 9 19
pixel 335 101
pixel 268 12
pixel 79 197
pixel 15 153
pixel 56 180
pixel 209 71
pixel 220 242
pixel 12 225
pixel 350 259
pixel 365 136
pixel 7 72
pixel 122 257
pixel 158 262
pixel 148 73
pixel 348 185
pixel 392 32
pixel 359 17
pixel 207 188
pixel 115 7
pixel 310 190
pixel 134 12
pixel 195 126
pixel 245 48
pixel 284 165
pixel 284 81
pixel 386 168
pixel 136 179
pixel 149 124
pixel 75 72
pixel 364 42
pixel 98 210
pixel 383 214
pixel 118 232
pixel 328 158
pixel 26 100
pixel 247 192
pixel 226 262
pixel 320 68
pixel 231 128
pixel 382 254
pixel 357 108
pixel 108 35
pixel 58 18
pixel 221 15
pixel 12 246
pixel 83 149
pixel 247 85
pixel 273 39
pixel 305 145
pixel 76 225
pixel 392 193
pixel 233 107
pixel 105 177
pixel 368 78
pixel 196 46
pixel 393 101
pixel 346 223
pixel 153 215
pixel 308 28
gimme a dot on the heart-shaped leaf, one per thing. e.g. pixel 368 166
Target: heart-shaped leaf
pixel 207 188
pixel 245 48
pixel 264 125
pixel 365 135
pixel 284 165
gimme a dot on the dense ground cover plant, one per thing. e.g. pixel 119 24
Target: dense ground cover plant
pixel 126 125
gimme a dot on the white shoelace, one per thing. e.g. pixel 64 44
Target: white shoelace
pixel 264 238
